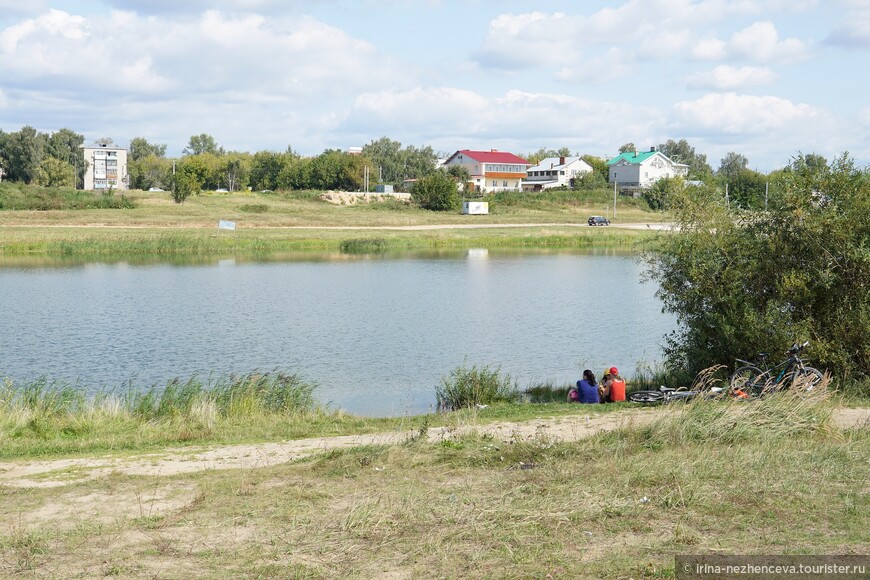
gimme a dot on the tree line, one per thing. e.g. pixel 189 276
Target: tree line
pixel 55 159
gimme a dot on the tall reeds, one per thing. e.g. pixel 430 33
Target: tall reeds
pixel 468 386
pixel 44 410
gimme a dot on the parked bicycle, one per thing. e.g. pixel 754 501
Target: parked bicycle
pixel 663 395
pixel 750 380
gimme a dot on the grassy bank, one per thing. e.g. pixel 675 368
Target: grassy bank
pixel 42 418
pixel 301 208
pixel 777 477
pixel 149 223
pixel 107 242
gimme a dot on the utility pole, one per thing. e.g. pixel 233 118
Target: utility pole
pixel 766 190
pixel 615 183
pixel 727 199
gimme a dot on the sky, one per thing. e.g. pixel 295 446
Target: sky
pixel 768 79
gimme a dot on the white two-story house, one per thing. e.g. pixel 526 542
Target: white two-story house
pixel 491 171
pixel 555 172
pixel 635 170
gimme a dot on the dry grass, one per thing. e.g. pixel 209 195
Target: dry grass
pixel 620 504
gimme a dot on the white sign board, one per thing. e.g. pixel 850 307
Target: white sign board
pixel 226 225
pixel 475 207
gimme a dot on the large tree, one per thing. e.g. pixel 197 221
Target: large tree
pixel 681 152
pixel 150 171
pixel 202 143
pixel 25 151
pixel 731 165
pixel 66 145
pixel 542 153
pixel 53 172
pixel 393 164
pixel 266 168
pixel 140 148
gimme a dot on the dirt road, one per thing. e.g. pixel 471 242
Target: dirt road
pixel 60 472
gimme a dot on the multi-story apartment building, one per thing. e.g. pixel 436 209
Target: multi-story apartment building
pixel 105 167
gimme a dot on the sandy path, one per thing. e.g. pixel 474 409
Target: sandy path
pixel 59 472
pixel 470 226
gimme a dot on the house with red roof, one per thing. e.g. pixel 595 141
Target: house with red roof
pixel 492 170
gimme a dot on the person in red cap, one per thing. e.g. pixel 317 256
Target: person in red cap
pixel 617 386
pixel 612 387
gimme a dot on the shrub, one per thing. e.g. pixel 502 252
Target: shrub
pixel 469 386
pixel 742 282
pixel 436 192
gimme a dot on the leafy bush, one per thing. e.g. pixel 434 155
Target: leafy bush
pixel 469 386
pixel 437 192
pixel 744 282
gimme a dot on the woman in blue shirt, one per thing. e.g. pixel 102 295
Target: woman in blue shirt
pixel 587 389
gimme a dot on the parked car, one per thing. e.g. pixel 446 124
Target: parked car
pixel 221 190
pixel 154 189
pixel 598 220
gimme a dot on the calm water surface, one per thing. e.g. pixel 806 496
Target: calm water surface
pixel 376 334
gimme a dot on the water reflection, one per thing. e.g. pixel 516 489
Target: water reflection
pixel 302 256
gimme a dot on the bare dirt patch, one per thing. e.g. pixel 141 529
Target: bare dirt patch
pixel 61 472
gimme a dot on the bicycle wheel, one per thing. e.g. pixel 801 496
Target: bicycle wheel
pixel 749 380
pixel 647 397
pixel 807 378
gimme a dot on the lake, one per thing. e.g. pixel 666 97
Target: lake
pixel 376 333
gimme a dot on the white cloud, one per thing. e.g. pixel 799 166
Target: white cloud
pixel 652 29
pixel 729 78
pixel 743 114
pixel 454 118
pixel 521 40
pixel 124 52
pixel 255 80
pixel 758 42
pixel 761 42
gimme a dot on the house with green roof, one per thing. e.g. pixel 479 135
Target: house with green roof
pixel 636 170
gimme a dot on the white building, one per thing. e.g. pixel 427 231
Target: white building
pixel 555 172
pixel 492 170
pixel 105 167
pixel 634 170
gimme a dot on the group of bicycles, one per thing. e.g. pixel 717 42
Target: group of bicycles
pixel 749 381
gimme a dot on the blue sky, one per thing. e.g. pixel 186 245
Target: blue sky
pixel 765 78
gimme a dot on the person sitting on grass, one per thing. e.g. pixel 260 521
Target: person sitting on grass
pixel 587 389
pixel 604 387
pixel 617 386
